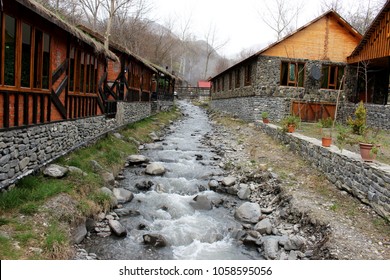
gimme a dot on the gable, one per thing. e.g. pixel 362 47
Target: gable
pixel 327 38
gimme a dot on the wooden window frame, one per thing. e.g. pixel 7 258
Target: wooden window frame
pixel 237 78
pixel 248 75
pixel 297 74
pixel 332 75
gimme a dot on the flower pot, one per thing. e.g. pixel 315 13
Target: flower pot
pixel 266 120
pixel 326 141
pixel 291 128
pixel 366 152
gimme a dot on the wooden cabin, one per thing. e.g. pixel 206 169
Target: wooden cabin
pixel 371 61
pixel 132 78
pixel 50 71
pixel 306 67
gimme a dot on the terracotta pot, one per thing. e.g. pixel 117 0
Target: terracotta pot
pixel 291 128
pixel 265 120
pixel 326 141
pixel 366 152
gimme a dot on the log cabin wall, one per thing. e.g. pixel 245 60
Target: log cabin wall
pixel 52 90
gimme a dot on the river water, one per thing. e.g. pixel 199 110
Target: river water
pixel 167 209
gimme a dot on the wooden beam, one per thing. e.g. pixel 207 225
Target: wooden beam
pixel 61 87
pixel 60 70
pixel 57 103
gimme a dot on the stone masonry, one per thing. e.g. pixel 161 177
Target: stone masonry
pixel 369 182
pixel 23 151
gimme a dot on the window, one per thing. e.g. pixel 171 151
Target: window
pixel 82 72
pixel 26 55
pixel 41 60
pixel 292 74
pixel 238 76
pixel 9 51
pixel 223 84
pixel 230 80
pixel 248 74
pixel 331 76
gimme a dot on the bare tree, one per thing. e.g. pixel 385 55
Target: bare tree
pixel 279 15
pixel 212 46
pixel 91 9
pixel 360 15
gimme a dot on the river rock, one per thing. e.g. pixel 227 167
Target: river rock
pixel 229 181
pixel 96 167
pixel 108 178
pixel 137 159
pixel 155 169
pixel 122 212
pixel 55 171
pixel 154 137
pixel 117 228
pixel 201 202
pixel 244 191
pixel 295 242
pixel 79 233
pixel 155 240
pixel 76 170
pixel 271 247
pixel 248 213
pixel 213 184
pixel 123 195
pixel 264 226
pixel 107 191
pixel 144 186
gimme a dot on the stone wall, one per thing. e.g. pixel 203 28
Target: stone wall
pixel 377 115
pixel 250 108
pixel 22 151
pixel 370 183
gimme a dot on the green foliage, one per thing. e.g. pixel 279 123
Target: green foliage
pixel 325 123
pixel 291 120
pixel 359 124
pixel 7 250
pixel 32 189
pixel 265 115
pixel 29 208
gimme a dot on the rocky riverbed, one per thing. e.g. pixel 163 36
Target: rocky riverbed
pixel 204 193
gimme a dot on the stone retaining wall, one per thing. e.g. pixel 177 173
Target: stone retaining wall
pixel 370 183
pixel 377 115
pixel 250 108
pixel 22 151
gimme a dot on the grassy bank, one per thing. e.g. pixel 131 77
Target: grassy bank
pixel 36 215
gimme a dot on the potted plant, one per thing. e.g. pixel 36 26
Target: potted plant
pixel 358 133
pixel 290 123
pixel 326 131
pixel 265 116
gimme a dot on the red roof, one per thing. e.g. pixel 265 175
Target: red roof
pixel 204 84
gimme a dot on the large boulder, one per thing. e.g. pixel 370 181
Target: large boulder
pixel 155 240
pixel 271 247
pixel 137 159
pixel 123 195
pixel 117 228
pixel 108 178
pixel 155 169
pixel 295 242
pixel 264 226
pixel 201 202
pixel 55 171
pixel 244 191
pixel 79 233
pixel 248 213
pixel 229 181
pixel 107 191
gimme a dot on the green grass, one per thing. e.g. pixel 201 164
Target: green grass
pixel 32 189
pixel 31 193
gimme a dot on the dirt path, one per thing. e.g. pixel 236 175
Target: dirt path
pixel 357 232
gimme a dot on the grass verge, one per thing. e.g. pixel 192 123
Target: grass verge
pixel 37 214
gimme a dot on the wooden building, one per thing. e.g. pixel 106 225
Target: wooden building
pixel 371 59
pixel 50 71
pixel 306 68
pixel 132 78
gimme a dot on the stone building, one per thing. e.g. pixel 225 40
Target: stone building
pixel 301 73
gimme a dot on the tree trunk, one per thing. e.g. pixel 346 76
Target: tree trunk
pixel 109 24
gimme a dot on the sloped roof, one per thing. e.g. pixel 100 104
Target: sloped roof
pixel 342 21
pixel 371 29
pixel 57 20
pixel 124 50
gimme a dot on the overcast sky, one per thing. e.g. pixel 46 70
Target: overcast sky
pixel 237 21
